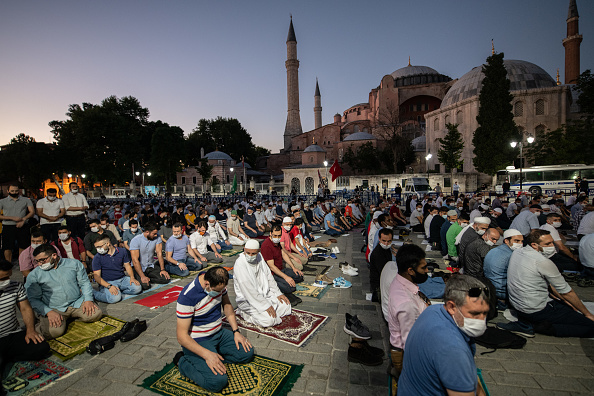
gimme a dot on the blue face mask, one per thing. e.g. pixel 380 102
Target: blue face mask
pixel 213 293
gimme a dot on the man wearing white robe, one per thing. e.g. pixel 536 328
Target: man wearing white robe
pixel 259 300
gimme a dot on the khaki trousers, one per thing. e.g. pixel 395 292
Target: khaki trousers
pixel 49 332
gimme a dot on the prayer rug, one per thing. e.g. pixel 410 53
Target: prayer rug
pixel 261 237
pixel 25 378
pixel 154 287
pixel 262 376
pixel 79 335
pixel 305 290
pixel 161 299
pixel 230 253
pixel 315 270
pixel 190 275
pixel 295 329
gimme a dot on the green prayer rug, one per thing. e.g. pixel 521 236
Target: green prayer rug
pixel 305 290
pixel 230 253
pixel 315 270
pixel 190 275
pixel 261 377
pixel 79 335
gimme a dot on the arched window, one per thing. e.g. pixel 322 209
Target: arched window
pixel 518 109
pixel 539 131
pixel 311 158
pixel 356 128
pixel 296 184
pixel 436 124
pixel 309 185
pixel 459 118
pixel 539 107
pixel 447 119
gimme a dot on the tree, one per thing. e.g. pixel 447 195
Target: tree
pixel 167 147
pixel 450 149
pixel 585 87
pixel 205 172
pixel 496 122
pixel 389 128
pixel 103 141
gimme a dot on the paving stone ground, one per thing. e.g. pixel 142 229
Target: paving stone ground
pixel 545 366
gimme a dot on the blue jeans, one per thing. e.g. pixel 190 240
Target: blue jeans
pixel 195 368
pixel 223 245
pixel 253 234
pixel 123 284
pixel 188 261
pixel 332 232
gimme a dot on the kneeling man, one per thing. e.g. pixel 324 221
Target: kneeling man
pixel 205 343
pixel 259 300
pixel 58 289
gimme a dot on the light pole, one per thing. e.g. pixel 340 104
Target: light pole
pixel 230 174
pixel 427 158
pixel 530 140
pixel 142 186
pixel 326 169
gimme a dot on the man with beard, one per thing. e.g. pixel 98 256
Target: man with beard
pixel 142 249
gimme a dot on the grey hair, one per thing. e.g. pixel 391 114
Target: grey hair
pixel 457 288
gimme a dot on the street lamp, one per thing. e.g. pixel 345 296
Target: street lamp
pixel 230 173
pixel 142 186
pixel 427 158
pixel 530 140
pixel 326 168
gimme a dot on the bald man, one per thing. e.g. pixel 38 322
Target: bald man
pixel 474 256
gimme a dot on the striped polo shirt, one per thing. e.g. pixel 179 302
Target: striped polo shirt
pixel 205 311
pixel 9 296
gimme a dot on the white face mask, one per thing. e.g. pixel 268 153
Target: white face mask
pixel 490 243
pixel 35 246
pixel 51 198
pixel 178 236
pixel 548 251
pixel 276 240
pixel 556 224
pixel 4 284
pixel 481 232
pixel 385 246
pixel 445 216
pixel 473 327
pixel 515 246
pixel 47 266
pixel 94 229
pixel 101 250
pixel 63 237
pixel 104 226
pixel 287 228
pixel 133 230
pixel 74 190
pixel 251 259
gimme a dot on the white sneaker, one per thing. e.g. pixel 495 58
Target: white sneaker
pixel 349 267
pixel 349 272
pixel 335 250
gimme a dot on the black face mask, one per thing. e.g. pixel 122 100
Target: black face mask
pixel 419 278
pixel 14 195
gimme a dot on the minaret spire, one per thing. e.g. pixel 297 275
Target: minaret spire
pixel 317 107
pixel 572 44
pixel 293 125
pixel 492 47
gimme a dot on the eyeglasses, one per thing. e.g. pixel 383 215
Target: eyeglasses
pixel 42 260
pixel 101 246
pixel 475 292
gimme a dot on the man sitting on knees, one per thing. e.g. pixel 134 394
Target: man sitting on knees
pixel 180 257
pixel 530 275
pixel 200 241
pixel 259 300
pixel 564 259
pixel 142 249
pixel 15 344
pixel 237 235
pixel 218 235
pixel 113 272
pixel 205 343
pixel 59 289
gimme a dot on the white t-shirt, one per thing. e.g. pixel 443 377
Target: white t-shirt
pixel 388 274
pixel 68 250
pixel 586 224
pixel 50 208
pixel 413 217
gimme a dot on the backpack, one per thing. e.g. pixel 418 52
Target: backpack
pixel 495 338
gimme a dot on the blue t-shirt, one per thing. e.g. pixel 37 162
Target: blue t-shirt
pixel 495 268
pixel 329 217
pixel 129 235
pixel 179 247
pixel 111 267
pixel 146 250
pixel 437 356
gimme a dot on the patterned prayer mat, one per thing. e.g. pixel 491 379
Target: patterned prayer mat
pixel 231 253
pixel 79 335
pixel 315 269
pixel 305 290
pixel 262 376
pixel 25 378
pixel 295 329
pixel 191 275
pixel 161 299
pixel 154 287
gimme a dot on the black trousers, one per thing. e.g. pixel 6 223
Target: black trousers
pixel 283 285
pixel 76 225
pixel 14 348
pixel 50 231
pixel 153 273
pixel 558 319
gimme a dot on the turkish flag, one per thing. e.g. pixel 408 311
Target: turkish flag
pixel 335 170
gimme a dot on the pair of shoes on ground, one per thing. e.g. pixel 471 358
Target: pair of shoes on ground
pixel 585 282
pixel 322 280
pixel 293 299
pixel 571 276
pixel 365 354
pixel 335 250
pixel 519 328
pixel 354 327
pixel 128 332
pixel 341 283
pixel 348 269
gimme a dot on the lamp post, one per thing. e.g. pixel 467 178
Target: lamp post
pixel 530 140
pixel 230 173
pixel 326 169
pixel 427 158
pixel 142 185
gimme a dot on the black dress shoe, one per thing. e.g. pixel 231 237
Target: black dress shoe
pixel 293 299
pixel 177 357
pixel 135 331
pixel 125 328
pixel 364 356
pixel 376 351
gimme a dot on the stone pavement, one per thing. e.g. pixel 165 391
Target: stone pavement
pixel 546 366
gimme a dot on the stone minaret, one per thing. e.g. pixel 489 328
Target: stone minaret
pixel 572 45
pixel 293 126
pixel 317 107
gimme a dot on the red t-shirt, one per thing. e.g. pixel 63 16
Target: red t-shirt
pixel 293 233
pixel 270 251
pixel 395 211
pixel 348 211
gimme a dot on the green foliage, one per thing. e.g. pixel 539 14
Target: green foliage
pixel 223 134
pixel 27 161
pixel 585 86
pixel 204 170
pixel 167 147
pixel 450 148
pixel 496 122
pixel 365 159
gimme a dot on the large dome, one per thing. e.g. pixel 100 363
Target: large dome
pixel 314 148
pixel 522 75
pixel 359 136
pixel 218 155
pixel 413 71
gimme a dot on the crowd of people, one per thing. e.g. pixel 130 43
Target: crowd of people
pixel 514 254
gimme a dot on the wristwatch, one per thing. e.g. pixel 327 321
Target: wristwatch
pixel 236 330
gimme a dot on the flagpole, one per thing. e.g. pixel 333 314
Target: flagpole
pixel 244 178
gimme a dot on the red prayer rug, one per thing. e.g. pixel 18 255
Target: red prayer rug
pixel 295 329
pixel 161 299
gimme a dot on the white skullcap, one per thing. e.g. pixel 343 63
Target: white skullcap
pixel 484 207
pixel 252 244
pixel 452 213
pixel 294 208
pixel 482 220
pixel 498 210
pixel 377 214
pixel 545 206
pixel 287 220
pixel 510 233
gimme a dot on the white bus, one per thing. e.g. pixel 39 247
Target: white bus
pixel 545 179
